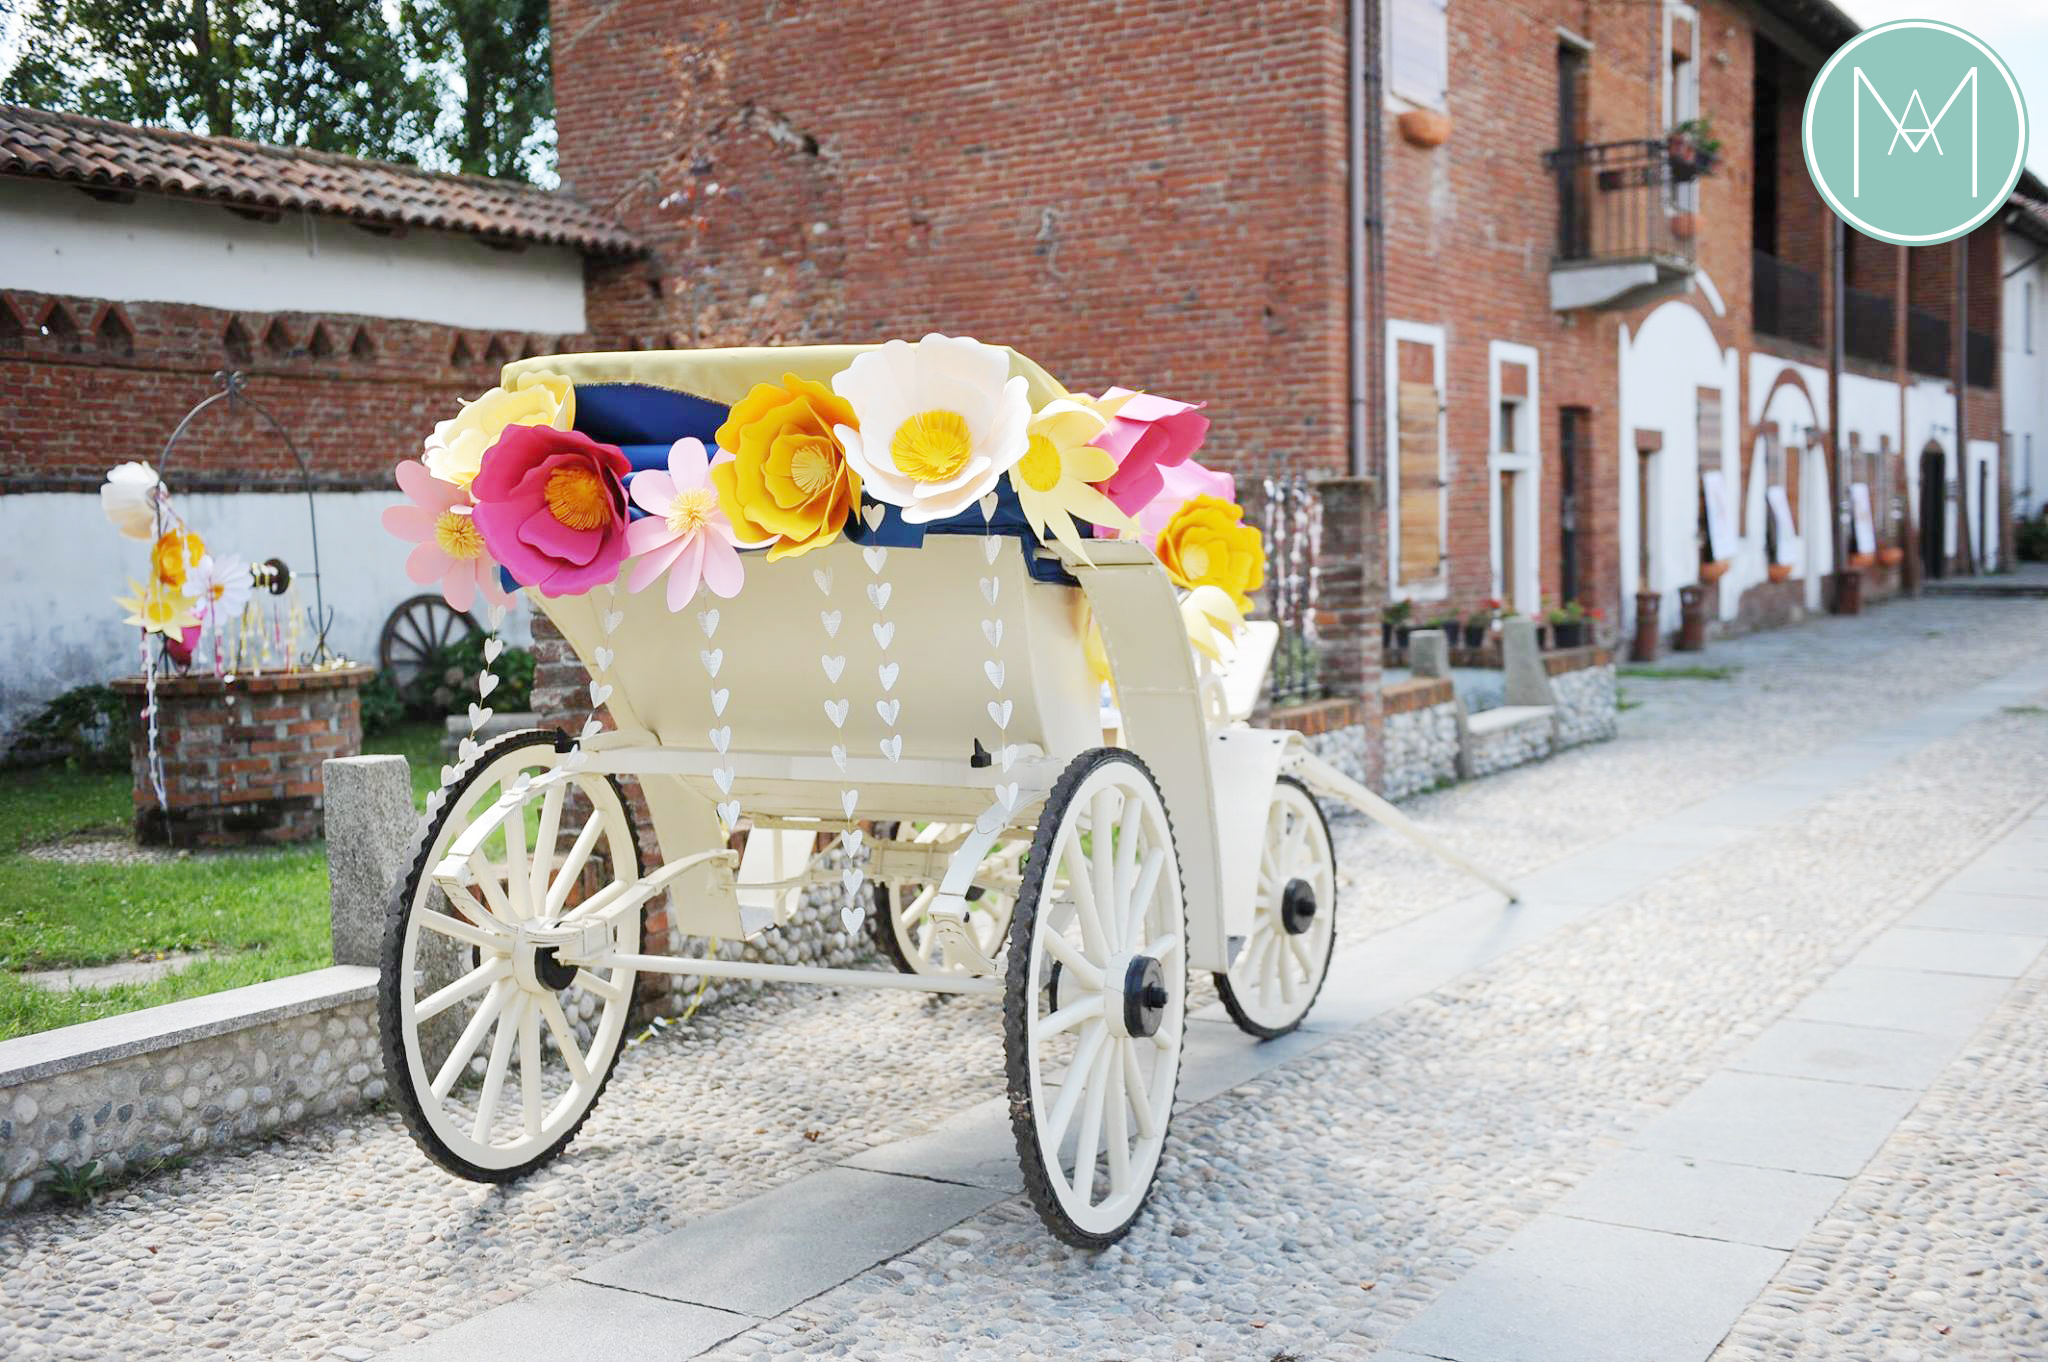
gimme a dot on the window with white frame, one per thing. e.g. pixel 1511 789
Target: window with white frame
pixel 1682 83
pixel 1514 476
pixel 1419 51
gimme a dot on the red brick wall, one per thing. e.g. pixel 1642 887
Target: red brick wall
pixel 89 382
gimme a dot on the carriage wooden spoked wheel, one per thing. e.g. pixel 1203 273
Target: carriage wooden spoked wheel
pixel 417 633
pixel 905 925
pixel 1274 981
pixel 502 1012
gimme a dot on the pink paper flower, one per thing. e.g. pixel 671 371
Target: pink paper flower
pixel 1147 434
pixel 685 533
pixel 552 508
pixel 1179 484
pixel 451 553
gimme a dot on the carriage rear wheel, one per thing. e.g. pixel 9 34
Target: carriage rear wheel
pixel 903 918
pixel 1286 956
pixel 1095 998
pixel 495 1048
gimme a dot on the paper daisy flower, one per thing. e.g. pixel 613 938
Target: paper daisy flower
pixel 220 585
pixel 1053 479
pixel 157 609
pixel 939 423
pixel 451 552
pixel 685 533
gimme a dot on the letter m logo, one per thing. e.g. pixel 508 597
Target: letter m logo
pixel 1915 137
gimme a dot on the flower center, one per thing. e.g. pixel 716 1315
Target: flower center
pixel 457 535
pixel 1194 560
pixel 577 497
pixel 688 512
pixel 932 446
pixel 812 466
pixel 1040 466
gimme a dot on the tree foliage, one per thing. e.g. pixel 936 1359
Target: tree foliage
pixel 450 84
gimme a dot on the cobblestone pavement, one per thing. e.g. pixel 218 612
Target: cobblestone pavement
pixel 1314 1211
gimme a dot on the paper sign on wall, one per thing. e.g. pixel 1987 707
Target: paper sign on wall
pixel 1720 534
pixel 1865 521
pixel 1787 533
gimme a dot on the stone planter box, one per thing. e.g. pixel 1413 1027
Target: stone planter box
pixel 241 760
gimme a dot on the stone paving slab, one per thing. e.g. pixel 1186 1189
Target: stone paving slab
pixel 781 1248
pixel 974 1147
pixel 1767 1207
pixel 1903 1000
pixel 1565 1290
pixel 1982 879
pixel 576 1322
pixel 1959 912
pixel 1767 1121
pixel 1847 1054
pixel 1989 953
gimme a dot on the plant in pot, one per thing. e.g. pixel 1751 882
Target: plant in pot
pixel 1479 623
pixel 1567 625
pixel 1692 149
pixel 1449 624
pixel 1394 625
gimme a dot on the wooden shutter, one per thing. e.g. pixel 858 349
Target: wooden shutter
pixel 1422 490
pixel 1418 50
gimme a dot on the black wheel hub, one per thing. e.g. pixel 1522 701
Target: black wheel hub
pixel 1297 906
pixel 550 970
pixel 1145 996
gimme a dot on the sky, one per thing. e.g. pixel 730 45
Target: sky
pixel 2016 30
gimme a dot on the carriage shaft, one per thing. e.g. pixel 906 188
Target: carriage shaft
pixel 808 974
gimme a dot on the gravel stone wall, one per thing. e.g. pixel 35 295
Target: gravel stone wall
pixel 201 1095
pixel 1515 745
pixel 1420 748
pixel 1586 710
pixel 1344 748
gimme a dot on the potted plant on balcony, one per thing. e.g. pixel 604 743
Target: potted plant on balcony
pixel 1567 625
pixel 1693 149
pixel 1479 623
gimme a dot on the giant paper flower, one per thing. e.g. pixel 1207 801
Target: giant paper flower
pixel 939 422
pixel 1054 476
pixel 1207 544
pixel 451 552
pixel 1147 434
pixel 552 508
pixel 540 397
pixel 220 584
pixel 684 533
pixel 129 497
pixel 176 553
pixel 157 608
pixel 1179 484
pixel 788 480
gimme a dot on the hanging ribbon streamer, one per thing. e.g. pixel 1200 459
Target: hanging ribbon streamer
pixel 1001 707
pixel 720 732
pixel 836 709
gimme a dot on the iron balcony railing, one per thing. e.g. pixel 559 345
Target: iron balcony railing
pixel 1784 298
pixel 1927 342
pixel 1868 323
pixel 1615 201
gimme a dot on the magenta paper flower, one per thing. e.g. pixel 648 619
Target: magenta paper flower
pixel 451 551
pixel 1179 484
pixel 1147 434
pixel 552 508
pixel 685 533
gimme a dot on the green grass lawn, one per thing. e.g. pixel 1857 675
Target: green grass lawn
pixel 264 914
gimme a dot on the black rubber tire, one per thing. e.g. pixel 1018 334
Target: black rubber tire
pixel 397 1072
pixel 1223 990
pixel 1017 1002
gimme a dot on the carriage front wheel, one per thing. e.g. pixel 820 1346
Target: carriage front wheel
pixel 1286 956
pixel 495 1049
pixel 1095 998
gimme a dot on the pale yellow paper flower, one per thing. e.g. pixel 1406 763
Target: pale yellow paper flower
pixel 1054 480
pixel 455 451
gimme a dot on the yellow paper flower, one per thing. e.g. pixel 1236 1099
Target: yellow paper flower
pixel 1053 479
pixel 455 451
pixel 1207 544
pixel 1212 620
pixel 158 609
pixel 788 479
pixel 176 553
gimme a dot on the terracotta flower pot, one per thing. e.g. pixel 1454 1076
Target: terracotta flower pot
pixel 1424 128
pixel 1684 225
pixel 1862 560
pixel 1891 555
pixel 1780 572
pixel 1714 571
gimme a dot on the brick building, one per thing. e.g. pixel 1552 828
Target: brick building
pixel 363 301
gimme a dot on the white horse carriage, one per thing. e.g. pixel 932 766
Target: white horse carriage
pixel 929 714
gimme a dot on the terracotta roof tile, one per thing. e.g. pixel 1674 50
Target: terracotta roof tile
pixel 98 152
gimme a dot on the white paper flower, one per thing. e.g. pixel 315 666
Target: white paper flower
pixel 940 422
pixel 129 498
pixel 221 585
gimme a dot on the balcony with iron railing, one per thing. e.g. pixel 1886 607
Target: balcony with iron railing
pixel 1624 231
pixel 1784 299
pixel 1927 342
pixel 1869 326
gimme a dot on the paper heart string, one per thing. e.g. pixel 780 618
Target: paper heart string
pixel 889 709
pixel 839 755
pixel 600 691
pixel 852 837
pixel 496 616
pixel 833 665
pixel 591 728
pixel 878 594
pixel 479 715
pixel 713 659
pixel 729 811
pixel 885 633
pixel 874 555
pixel 993 670
pixel 850 877
pixel 991 587
pixel 722 777
pixel 603 657
pixel 990 547
pixel 486 682
pixel 1006 795
pixel 707 620
pixel 611 620
pixel 835 710
pixel 892 747
pixel 492 647
pixel 852 915
pixel 988 508
pixel 873 514
pixel 830 619
pixel 721 738
pixel 468 749
pixel 823 577
pixel 448 774
pixel 886 674
pixel 992 630
pixel 1000 712
pixel 718 699
pixel 849 800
